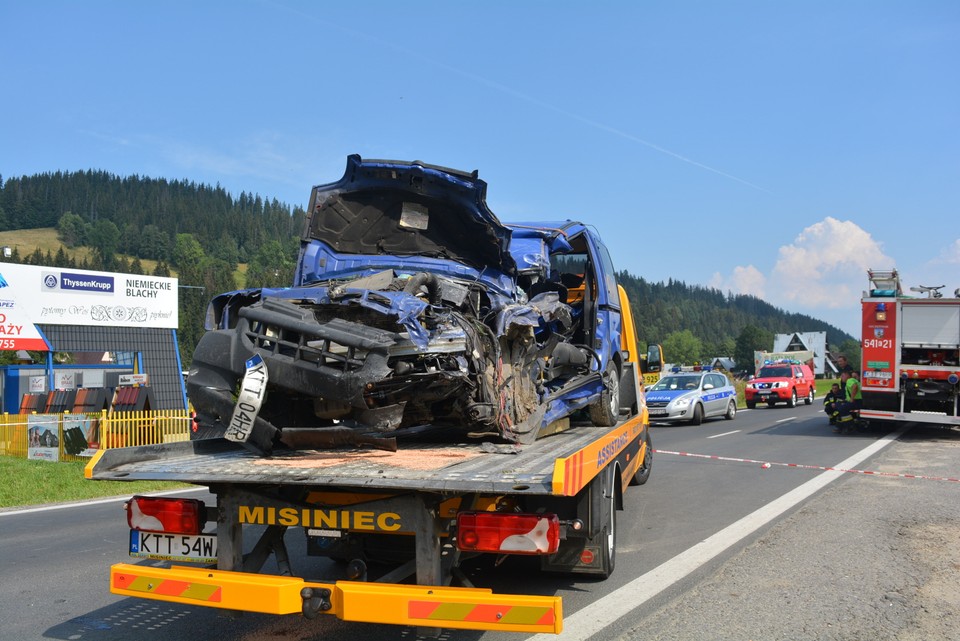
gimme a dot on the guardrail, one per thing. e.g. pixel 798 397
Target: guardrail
pixel 77 437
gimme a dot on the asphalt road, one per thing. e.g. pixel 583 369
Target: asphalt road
pixel 872 557
pixel 678 531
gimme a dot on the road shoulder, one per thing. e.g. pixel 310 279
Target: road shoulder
pixel 870 557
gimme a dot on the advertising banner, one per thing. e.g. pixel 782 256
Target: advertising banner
pixel 80 435
pixel 17 329
pixel 43 438
pixel 31 294
pixel 38 384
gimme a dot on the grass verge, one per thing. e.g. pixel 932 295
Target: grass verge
pixel 40 482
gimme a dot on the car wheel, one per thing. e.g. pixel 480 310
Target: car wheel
pixel 642 475
pixel 731 411
pixel 697 418
pixel 608 537
pixel 793 398
pixel 751 405
pixel 809 399
pixel 606 411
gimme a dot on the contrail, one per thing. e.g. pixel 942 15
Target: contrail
pixel 520 95
pixel 601 126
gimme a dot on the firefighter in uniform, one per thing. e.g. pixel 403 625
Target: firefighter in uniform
pixel 851 403
pixel 831 401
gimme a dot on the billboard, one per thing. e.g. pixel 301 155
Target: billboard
pixel 35 295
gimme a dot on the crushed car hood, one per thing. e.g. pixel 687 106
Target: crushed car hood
pixel 400 208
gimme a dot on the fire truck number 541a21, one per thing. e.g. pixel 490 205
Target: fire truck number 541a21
pixel 911 352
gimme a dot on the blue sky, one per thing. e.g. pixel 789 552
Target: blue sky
pixel 773 148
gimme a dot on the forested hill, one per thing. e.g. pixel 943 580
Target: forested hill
pixel 204 233
pixel 148 213
pixel 717 319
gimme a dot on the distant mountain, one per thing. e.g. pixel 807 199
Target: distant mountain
pixel 714 317
pixel 210 232
pixel 149 212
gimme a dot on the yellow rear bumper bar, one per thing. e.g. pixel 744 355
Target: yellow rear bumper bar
pixel 424 606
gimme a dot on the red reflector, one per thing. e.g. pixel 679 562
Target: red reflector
pixel 508 533
pixel 176 516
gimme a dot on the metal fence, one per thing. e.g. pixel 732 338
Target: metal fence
pixel 77 437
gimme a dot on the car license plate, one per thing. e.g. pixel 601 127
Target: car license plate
pixel 196 548
pixel 657 412
pixel 252 391
pixel 764 393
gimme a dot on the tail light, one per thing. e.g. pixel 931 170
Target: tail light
pixel 175 516
pixel 509 533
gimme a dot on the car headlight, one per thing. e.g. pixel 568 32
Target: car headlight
pixel 680 403
pixel 779 384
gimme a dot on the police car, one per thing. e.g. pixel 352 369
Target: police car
pixel 691 396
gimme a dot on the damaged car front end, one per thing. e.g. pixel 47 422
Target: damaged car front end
pixel 412 311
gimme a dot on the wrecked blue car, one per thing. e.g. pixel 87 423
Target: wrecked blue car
pixel 414 310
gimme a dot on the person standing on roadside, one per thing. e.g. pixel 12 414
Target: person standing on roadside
pixel 843 365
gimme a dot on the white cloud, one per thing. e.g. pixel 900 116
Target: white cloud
pixel 826 266
pixel 821 273
pixel 116 140
pixel 938 270
pixel 254 157
pixel 743 280
pixel 258 163
pixel 950 254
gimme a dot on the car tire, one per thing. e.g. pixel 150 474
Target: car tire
pixel 606 411
pixel 751 405
pixel 608 537
pixel 731 411
pixel 642 475
pixel 809 399
pixel 793 398
pixel 697 417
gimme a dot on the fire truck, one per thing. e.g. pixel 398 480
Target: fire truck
pixel 911 352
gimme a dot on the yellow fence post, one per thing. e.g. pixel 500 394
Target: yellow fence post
pixel 106 435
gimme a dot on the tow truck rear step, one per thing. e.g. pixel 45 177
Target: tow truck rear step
pixel 425 606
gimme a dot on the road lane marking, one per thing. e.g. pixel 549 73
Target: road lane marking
pixel 802 466
pixel 592 619
pixel 64 506
pixel 724 434
pixel 784 420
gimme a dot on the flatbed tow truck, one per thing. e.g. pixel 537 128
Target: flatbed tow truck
pixel 557 497
pixel 434 406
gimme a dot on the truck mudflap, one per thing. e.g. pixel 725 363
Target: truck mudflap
pixel 366 602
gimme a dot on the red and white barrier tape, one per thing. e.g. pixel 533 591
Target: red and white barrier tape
pixel 768 464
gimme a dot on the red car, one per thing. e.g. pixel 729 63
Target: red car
pixel 781 382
